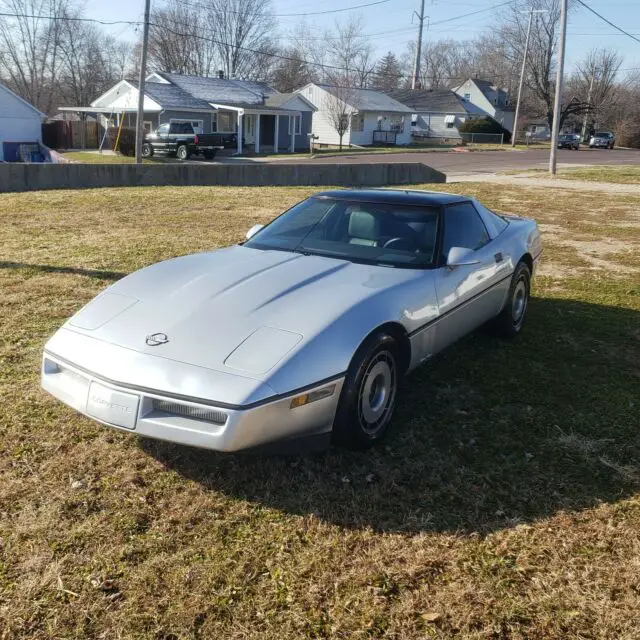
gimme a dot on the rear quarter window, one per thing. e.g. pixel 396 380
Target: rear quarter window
pixel 495 224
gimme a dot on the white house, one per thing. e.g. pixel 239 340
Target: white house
pixel 437 113
pixel 490 98
pixel 372 117
pixel 20 123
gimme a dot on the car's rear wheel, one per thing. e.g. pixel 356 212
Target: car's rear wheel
pixel 182 152
pixel 369 394
pixel 209 155
pixel 511 319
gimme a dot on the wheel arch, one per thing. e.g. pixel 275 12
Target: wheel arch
pixel 400 335
pixel 528 260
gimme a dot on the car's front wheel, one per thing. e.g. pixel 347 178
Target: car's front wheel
pixel 147 151
pixel 369 394
pixel 511 319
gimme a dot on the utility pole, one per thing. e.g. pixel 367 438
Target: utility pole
pixel 557 102
pixel 416 65
pixel 586 113
pixel 143 73
pixel 522 70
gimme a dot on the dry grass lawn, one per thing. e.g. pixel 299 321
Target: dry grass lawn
pixel 506 504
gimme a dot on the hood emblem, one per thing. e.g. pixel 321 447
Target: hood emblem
pixel 156 338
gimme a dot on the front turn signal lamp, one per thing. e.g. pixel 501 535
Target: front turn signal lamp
pixel 312 396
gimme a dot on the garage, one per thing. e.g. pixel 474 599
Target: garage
pixel 20 127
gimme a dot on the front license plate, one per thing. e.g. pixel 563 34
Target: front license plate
pixel 116 408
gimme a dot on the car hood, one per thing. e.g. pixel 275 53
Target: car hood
pixel 237 310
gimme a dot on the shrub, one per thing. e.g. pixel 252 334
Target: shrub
pixel 484 125
pixel 126 143
pixel 628 132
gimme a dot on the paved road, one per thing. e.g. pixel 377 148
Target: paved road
pixel 488 161
pixel 456 163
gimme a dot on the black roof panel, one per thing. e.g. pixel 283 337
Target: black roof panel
pixel 394 196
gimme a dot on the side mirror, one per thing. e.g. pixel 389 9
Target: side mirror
pixel 460 257
pixel 252 232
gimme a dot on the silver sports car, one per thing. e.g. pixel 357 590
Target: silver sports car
pixel 304 330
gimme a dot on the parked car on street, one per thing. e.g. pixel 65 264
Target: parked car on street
pixel 602 139
pixel 180 139
pixel 305 330
pixel 569 141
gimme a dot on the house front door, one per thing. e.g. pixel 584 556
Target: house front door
pixel 267 128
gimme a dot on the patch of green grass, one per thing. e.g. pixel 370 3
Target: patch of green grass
pixel 87 157
pixel 505 505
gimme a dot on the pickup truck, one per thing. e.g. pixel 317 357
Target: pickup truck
pixel 180 139
pixel 602 139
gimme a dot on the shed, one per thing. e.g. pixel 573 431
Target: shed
pixel 20 124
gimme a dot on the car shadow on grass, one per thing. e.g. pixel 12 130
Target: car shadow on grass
pixel 46 268
pixel 488 435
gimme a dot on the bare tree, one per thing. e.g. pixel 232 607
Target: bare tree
pixel 339 107
pixel 180 41
pixel 90 62
pixel 244 33
pixel 350 52
pixel 30 48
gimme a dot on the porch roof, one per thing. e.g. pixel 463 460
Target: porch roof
pixel 253 109
pixel 109 109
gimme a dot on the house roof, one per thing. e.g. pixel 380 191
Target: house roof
pixel 367 99
pixel 280 99
pixel 436 101
pixel 219 90
pixel 170 96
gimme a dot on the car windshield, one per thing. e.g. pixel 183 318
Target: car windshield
pixel 602 134
pixel 369 232
pixel 566 136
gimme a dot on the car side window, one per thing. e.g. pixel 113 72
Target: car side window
pixel 463 227
pixel 162 129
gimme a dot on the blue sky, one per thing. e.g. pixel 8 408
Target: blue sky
pixel 390 22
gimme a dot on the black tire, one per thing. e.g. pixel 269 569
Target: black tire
pixel 147 151
pixel 209 155
pixel 511 319
pixel 182 152
pixel 369 395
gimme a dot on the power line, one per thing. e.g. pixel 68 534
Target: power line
pixel 248 49
pixel 611 24
pixel 302 14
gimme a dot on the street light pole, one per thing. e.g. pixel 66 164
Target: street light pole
pixel 143 73
pixel 559 81
pixel 586 113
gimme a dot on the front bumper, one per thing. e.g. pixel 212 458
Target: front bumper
pixel 189 421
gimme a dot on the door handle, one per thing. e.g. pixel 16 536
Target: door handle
pixel 498 257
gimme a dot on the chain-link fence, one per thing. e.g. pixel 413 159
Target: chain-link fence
pixel 483 138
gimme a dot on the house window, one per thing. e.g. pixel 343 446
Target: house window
pixel 298 125
pixel 467 97
pixel 396 123
pixel 450 121
pixel 147 125
pixel 225 122
pixel 357 122
pixel 196 124
pixel 450 125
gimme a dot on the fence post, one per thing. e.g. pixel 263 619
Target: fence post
pixel 501 138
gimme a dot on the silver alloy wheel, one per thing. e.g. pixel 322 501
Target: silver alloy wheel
pixel 377 393
pixel 519 301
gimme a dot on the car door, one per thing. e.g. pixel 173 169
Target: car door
pixel 468 295
pixel 162 135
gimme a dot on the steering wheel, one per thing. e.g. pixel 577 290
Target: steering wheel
pixel 408 245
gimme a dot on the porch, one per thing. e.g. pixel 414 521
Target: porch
pixel 266 129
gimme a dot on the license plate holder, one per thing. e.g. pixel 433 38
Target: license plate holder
pixel 111 406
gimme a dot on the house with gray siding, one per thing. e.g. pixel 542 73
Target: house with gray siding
pixel 436 113
pixel 263 119
pixel 487 96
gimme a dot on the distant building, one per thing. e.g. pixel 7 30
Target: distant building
pixel 489 98
pixel 20 125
